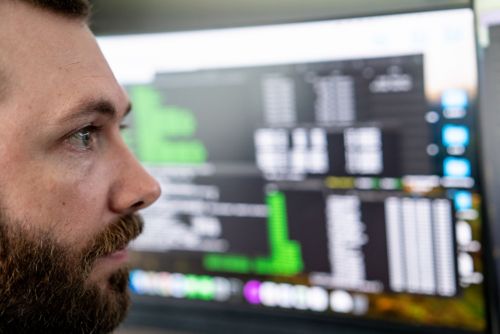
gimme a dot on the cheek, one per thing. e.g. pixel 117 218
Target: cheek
pixel 80 207
pixel 71 206
pixel 56 191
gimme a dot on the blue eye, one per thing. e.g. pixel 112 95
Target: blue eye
pixel 84 138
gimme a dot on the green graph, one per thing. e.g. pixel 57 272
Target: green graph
pixel 163 134
pixel 285 258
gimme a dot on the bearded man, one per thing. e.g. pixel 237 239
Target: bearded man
pixel 69 186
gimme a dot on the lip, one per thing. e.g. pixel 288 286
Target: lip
pixel 120 255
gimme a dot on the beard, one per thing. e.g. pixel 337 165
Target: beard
pixel 44 286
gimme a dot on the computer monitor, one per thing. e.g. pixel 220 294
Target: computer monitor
pixel 325 170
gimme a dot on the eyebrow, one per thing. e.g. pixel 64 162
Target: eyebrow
pixel 89 107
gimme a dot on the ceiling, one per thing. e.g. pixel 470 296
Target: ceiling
pixel 132 16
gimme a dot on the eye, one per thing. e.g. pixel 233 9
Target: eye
pixel 84 139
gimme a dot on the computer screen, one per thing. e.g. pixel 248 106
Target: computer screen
pixel 322 168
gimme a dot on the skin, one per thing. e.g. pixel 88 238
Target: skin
pixel 65 168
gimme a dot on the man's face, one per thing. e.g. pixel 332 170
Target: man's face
pixel 68 184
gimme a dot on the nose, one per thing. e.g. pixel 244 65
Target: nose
pixel 133 187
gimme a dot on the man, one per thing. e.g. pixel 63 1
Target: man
pixel 69 187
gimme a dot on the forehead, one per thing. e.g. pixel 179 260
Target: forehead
pixel 51 60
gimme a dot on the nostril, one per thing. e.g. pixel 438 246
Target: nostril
pixel 138 205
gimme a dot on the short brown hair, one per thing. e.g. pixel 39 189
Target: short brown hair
pixel 69 8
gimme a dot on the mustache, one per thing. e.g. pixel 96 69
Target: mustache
pixel 115 237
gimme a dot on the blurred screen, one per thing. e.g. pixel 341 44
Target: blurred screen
pixel 324 168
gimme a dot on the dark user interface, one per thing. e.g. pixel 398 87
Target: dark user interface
pixel 333 188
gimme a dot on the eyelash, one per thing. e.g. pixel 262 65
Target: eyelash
pixel 76 138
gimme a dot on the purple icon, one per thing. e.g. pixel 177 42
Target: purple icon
pixel 251 292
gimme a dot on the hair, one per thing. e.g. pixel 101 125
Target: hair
pixel 69 8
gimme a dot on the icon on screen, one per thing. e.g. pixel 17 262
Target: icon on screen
pixel 251 292
pixel 454 98
pixel 454 103
pixel 463 200
pixel 456 167
pixel 455 135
